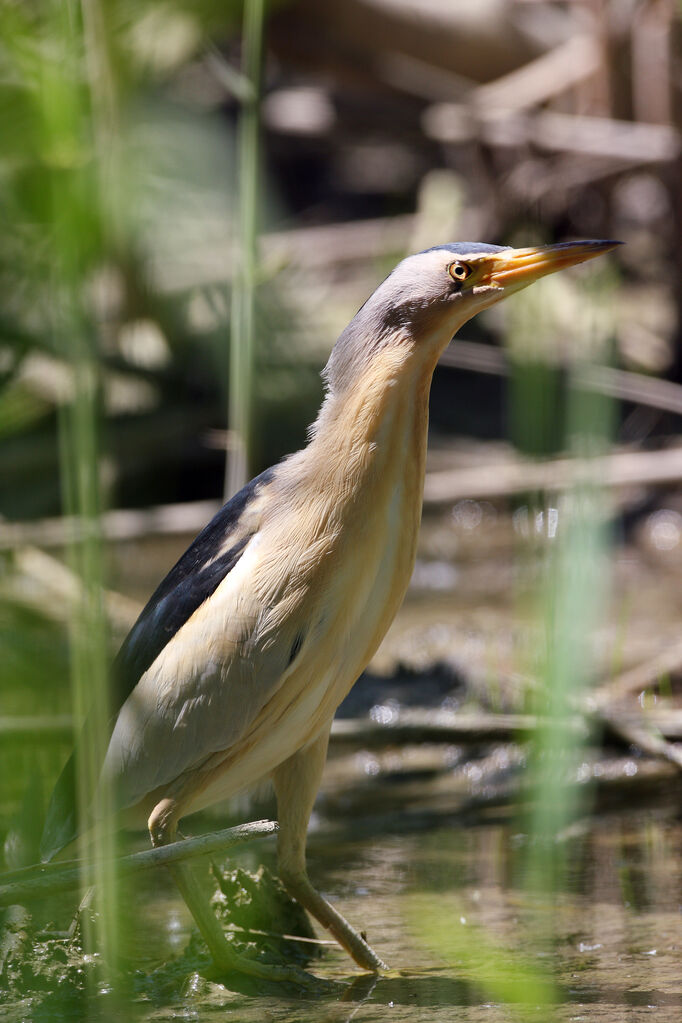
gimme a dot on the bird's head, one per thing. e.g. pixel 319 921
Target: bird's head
pixel 430 295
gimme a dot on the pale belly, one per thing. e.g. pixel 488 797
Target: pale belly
pixel 307 704
pixel 355 610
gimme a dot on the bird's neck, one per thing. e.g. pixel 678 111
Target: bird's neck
pixel 376 426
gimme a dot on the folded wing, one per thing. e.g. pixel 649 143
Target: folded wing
pixel 173 631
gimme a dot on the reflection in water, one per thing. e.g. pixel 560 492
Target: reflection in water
pixel 610 937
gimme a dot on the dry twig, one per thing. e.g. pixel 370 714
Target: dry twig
pixel 31 883
pixel 620 469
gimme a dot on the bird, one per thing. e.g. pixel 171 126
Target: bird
pixel 235 667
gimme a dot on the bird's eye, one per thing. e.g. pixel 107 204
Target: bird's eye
pixel 459 271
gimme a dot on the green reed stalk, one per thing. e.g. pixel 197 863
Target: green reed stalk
pixel 244 276
pixel 70 108
pixel 574 591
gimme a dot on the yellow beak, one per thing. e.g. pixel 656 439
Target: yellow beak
pixel 522 266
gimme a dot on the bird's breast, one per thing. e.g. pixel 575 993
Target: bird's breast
pixel 368 568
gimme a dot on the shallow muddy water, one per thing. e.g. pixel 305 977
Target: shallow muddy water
pixel 448 904
pixel 610 938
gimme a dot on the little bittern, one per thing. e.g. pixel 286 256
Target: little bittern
pixel 237 664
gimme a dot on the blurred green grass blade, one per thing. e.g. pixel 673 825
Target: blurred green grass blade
pixel 502 974
pixel 74 210
pixel 242 320
pixel 574 591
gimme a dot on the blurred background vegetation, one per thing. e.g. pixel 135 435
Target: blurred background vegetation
pixel 160 196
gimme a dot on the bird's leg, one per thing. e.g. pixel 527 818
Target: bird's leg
pixel 162 826
pixel 296 783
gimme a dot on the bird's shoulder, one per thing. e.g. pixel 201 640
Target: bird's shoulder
pixel 191 581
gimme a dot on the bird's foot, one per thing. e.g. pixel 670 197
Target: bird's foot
pixel 223 954
pixel 233 962
pixel 355 944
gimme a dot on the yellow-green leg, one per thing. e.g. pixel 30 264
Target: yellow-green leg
pixel 296 783
pixel 162 826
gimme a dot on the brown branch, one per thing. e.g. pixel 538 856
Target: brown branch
pixel 539 80
pixel 121 524
pixel 650 732
pixel 635 731
pixel 621 142
pixel 27 885
pixel 636 679
pixel 415 726
pixel 515 476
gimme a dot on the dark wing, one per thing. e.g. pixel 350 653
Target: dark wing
pixel 193 578
pixel 191 581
